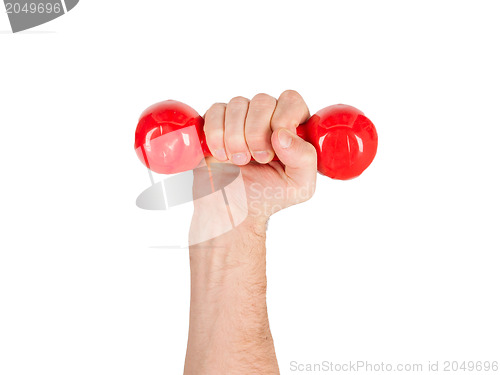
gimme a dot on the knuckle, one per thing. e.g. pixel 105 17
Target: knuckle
pixel 219 105
pixel 263 100
pixel 256 137
pixel 256 134
pixel 214 136
pixel 214 110
pixel 239 100
pixel 253 135
pixel 212 125
pixel 280 122
pixel 216 107
pixel 259 144
pixel 234 141
pixel 291 96
pixel 213 132
pixel 310 156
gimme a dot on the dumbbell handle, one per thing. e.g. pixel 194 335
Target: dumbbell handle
pixel 301 132
pixel 170 139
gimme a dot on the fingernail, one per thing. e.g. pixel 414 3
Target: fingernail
pixel 239 159
pixel 285 138
pixel 220 154
pixel 261 156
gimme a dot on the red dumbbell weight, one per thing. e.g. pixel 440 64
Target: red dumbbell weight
pixel 169 139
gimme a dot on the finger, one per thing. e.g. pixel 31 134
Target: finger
pixel 214 130
pixel 234 131
pixel 298 156
pixel 258 127
pixel 291 111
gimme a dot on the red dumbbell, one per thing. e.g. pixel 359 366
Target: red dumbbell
pixel 169 139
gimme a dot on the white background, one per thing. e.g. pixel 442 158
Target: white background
pixel 400 265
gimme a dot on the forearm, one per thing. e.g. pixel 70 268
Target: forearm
pixel 229 328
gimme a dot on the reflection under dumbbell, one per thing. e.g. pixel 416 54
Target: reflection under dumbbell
pixel 206 184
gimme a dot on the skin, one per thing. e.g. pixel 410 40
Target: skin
pixel 229 328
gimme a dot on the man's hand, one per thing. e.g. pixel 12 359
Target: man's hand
pixel 260 128
pixel 229 330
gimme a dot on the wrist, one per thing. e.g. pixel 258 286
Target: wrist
pixel 237 253
pixel 215 230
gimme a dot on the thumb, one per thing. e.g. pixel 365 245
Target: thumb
pixel 298 156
